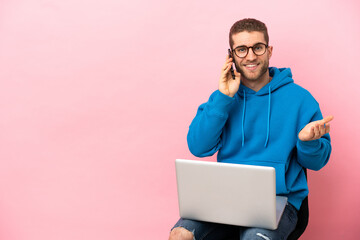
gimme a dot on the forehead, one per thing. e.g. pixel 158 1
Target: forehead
pixel 248 38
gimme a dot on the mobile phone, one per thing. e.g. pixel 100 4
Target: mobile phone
pixel 231 69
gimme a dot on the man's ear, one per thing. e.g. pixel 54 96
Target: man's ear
pixel 270 49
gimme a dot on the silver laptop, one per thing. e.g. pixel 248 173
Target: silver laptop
pixel 234 194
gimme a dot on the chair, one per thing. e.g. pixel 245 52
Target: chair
pixel 303 218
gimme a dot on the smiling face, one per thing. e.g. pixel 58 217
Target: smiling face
pixel 254 69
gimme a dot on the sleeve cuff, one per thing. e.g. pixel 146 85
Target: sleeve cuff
pixel 309 146
pixel 222 103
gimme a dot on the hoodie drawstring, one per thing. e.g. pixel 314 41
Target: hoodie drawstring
pixel 243 120
pixel 268 120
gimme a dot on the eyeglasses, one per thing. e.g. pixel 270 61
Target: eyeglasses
pixel 258 49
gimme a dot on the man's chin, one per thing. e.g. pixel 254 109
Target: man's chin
pixel 251 76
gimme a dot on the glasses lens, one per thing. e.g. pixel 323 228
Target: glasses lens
pixel 241 51
pixel 259 49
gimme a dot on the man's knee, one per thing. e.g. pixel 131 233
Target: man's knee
pixel 256 234
pixel 180 233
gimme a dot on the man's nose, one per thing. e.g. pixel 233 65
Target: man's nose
pixel 251 55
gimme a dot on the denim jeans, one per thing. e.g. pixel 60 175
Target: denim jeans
pixel 215 231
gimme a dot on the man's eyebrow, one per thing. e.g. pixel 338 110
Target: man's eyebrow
pixel 249 46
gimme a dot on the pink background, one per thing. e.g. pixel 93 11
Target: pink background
pixel 96 98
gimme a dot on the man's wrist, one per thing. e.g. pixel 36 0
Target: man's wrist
pixel 227 94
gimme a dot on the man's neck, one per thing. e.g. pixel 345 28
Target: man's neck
pixel 257 84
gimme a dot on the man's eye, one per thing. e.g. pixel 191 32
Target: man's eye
pixel 241 49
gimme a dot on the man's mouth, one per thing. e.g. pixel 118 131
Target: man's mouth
pixel 251 66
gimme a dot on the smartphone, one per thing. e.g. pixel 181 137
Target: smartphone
pixel 231 69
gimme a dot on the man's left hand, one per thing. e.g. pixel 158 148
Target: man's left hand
pixel 315 130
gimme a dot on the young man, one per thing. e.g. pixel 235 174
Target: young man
pixel 259 117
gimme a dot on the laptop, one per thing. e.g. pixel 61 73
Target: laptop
pixel 235 194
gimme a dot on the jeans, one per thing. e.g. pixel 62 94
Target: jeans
pixel 215 231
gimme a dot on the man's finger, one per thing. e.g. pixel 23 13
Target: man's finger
pixel 326 120
pixel 327 130
pixel 228 58
pixel 226 65
pixel 317 131
pixel 322 129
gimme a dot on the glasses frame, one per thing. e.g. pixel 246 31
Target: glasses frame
pixel 252 49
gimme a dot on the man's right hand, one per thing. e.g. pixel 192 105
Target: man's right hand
pixel 227 85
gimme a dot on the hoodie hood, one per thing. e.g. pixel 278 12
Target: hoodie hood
pixel 280 78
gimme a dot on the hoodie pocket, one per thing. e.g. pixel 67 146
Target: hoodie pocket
pixel 280 178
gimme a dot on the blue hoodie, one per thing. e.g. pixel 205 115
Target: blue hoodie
pixel 261 128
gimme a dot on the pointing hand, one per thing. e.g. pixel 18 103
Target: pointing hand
pixel 315 130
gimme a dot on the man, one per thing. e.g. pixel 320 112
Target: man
pixel 258 117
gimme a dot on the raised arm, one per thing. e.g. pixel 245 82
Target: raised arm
pixel 204 136
pixel 313 146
